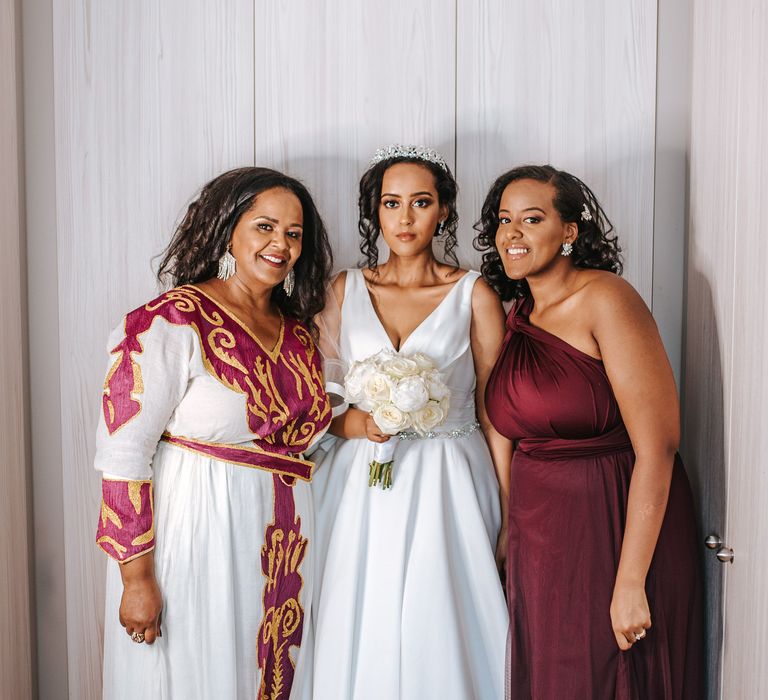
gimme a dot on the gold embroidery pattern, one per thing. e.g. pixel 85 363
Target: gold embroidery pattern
pixel 281 386
pixel 281 627
pixel 127 522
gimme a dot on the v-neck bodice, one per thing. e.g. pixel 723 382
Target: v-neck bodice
pixel 443 335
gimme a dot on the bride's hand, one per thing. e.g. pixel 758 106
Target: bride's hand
pixel 373 432
pixel 354 423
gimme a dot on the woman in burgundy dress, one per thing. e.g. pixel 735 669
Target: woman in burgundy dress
pixel 603 580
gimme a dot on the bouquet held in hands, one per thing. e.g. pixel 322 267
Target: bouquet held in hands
pixel 401 392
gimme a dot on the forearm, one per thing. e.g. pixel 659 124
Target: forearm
pixel 646 506
pixel 138 571
pixel 501 454
pixel 350 424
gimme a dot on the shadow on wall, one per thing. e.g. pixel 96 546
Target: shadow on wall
pixel 703 449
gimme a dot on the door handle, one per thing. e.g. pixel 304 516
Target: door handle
pixel 713 542
pixel 725 554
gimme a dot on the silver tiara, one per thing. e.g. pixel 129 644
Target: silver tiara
pixel 395 150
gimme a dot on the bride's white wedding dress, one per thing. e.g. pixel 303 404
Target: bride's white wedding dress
pixel 408 602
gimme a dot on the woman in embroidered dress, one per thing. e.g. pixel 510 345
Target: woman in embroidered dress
pixel 603 583
pixel 213 393
pixel 409 601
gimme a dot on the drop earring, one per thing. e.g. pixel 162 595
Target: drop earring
pixel 288 282
pixel 227 265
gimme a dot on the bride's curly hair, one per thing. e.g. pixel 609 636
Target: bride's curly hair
pixel 206 229
pixel 596 247
pixel 370 198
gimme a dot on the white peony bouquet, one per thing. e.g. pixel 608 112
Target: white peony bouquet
pixel 401 392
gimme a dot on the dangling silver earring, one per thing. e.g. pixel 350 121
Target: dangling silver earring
pixel 567 249
pixel 441 228
pixel 227 265
pixel 289 281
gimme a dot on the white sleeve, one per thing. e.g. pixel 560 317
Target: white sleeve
pixel 146 379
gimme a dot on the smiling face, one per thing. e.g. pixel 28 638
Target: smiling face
pixel 409 210
pixel 266 241
pixel 531 233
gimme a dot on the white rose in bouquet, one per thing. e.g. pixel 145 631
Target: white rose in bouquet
pixel 400 367
pixel 354 382
pixel 428 417
pixel 436 386
pixel 424 362
pixel 410 394
pixel 391 419
pixel 378 388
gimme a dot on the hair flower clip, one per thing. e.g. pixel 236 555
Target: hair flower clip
pixel 586 215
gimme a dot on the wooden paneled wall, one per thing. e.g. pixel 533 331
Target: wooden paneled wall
pixel 152 100
pixel 573 84
pixel 726 331
pixel 16 652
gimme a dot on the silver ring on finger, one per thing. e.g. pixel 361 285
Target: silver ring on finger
pixel 137 637
pixel 640 636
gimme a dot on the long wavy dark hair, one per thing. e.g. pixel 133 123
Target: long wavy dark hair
pixel 206 229
pixel 596 247
pixel 370 198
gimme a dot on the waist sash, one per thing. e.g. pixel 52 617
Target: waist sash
pixel 612 442
pixel 254 457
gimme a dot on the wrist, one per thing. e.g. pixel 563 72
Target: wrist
pixel 625 581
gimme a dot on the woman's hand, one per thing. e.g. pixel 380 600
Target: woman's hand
pixel 630 614
pixel 142 602
pixel 373 432
pixel 354 423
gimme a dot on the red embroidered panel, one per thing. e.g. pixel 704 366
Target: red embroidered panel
pixel 286 405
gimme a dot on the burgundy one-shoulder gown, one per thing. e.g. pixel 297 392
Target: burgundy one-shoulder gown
pixel 570 480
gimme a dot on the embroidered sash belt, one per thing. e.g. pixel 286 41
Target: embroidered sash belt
pixel 254 457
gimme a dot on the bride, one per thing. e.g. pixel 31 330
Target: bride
pixel 410 604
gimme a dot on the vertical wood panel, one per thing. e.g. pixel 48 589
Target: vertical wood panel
pixel 44 371
pixel 568 83
pixel 709 326
pixel 336 79
pixel 152 99
pixel 15 628
pixel 673 106
pixel 746 609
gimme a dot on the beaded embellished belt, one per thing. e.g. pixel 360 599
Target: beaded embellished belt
pixel 462 432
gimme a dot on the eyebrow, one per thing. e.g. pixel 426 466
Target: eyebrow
pixel 390 194
pixel 275 221
pixel 528 209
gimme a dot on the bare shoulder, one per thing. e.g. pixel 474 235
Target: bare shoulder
pixel 484 296
pixel 613 305
pixel 338 285
pixel 607 294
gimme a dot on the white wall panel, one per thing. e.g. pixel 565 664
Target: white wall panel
pixel 746 608
pixel 568 83
pixel 336 79
pixel 16 652
pixel 152 100
pixel 725 375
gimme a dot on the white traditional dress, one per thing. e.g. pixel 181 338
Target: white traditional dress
pixel 200 440
pixel 408 601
